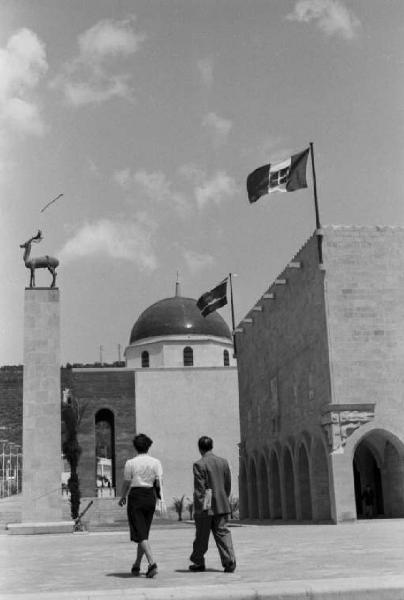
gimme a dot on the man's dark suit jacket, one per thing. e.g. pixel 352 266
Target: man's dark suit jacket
pixel 213 472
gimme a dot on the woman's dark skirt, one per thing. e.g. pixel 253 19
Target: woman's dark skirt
pixel 141 506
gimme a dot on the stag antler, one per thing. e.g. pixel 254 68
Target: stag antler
pixel 38 237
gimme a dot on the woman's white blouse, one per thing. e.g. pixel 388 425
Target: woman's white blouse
pixel 142 471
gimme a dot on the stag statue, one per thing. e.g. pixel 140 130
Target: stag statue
pixel 42 262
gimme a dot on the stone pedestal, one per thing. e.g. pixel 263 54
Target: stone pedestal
pixel 41 409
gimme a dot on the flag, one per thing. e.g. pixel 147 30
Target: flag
pixel 286 176
pixel 214 299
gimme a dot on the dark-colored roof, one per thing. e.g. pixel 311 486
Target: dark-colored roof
pixel 177 316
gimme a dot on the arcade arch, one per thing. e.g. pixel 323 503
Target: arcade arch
pixel 378 461
pixel 264 491
pixel 253 489
pixel 243 492
pixel 289 485
pixel 304 484
pixel 275 487
pixel 320 482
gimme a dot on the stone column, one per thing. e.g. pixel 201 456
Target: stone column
pixel 343 504
pixel 41 407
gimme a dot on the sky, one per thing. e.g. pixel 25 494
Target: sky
pixel 148 116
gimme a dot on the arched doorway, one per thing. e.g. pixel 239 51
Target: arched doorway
pixel 253 495
pixel 393 480
pixel 275 487
pixel 289 485
pixel 264 492
pixel 105 452
pixel 367 472
pixel 304 485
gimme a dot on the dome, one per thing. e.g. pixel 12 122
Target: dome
pixel 177 316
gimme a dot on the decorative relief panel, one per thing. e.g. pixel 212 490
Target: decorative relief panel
pixel 340 421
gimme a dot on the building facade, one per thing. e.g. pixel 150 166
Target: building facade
pixel 321 382
pixel 179 383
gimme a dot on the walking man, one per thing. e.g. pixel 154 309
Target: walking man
pixel 212 486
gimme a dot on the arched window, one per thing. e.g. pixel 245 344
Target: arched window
pixel 145 359
pixel 105 452
pixel 188 356
pixel 226 359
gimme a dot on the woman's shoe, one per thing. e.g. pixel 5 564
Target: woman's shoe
pixel 151 571
pixel 135 571
pixel 196 568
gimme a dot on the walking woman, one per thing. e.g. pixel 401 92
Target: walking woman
pixel 141 486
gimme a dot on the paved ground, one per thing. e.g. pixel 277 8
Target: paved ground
pixel 363 560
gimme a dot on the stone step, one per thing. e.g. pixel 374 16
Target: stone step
pixel 102 511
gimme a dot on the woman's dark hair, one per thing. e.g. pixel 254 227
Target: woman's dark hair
pixel 205 443
pixel 142 443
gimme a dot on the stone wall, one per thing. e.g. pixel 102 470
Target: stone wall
pixel 284 383
pixel 364 288
pixel 365 315
pixel 114 390
pixel 283 364
pixel 320 361
pixel 176 407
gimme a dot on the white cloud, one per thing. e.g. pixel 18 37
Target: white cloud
pixel 193 173
pixel 109 38
pixel 217 189
pixel 205 66
pixel 197 262
pixel 122 177
pixel 97 91
pixel 22 65
pixel 331 16
pixel 158 190
pixel 207 190
pixel 219 127
pixel 93 167
pixel 91 77
pixel 158 187
pixel 132 241
pixel 155 186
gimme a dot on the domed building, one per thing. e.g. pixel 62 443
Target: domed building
pixel 179 383
pixel 173 333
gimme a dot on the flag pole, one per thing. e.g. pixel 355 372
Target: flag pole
pixel 318 224
pixel 232 317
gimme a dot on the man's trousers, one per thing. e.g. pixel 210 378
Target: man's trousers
pixel 217 524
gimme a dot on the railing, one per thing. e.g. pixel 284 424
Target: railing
pixel 10 468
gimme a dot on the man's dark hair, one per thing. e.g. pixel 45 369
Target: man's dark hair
pixel 142 443
pixel 205 443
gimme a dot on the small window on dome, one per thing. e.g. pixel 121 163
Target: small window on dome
pixel 226 359
pixel 145 359
pixel 188 357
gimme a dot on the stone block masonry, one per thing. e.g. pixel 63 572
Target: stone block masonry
pixel 321 382
pixel 41 407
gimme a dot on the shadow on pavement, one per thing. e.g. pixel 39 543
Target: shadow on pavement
pixel 122 575
pixel 205 571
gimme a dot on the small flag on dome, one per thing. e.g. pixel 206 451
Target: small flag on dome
pixel 286 176
pixel 214 299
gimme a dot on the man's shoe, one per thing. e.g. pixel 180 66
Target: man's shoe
pixel 196 568
pixel 230 568
pixel 135 570
pixel 151 571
